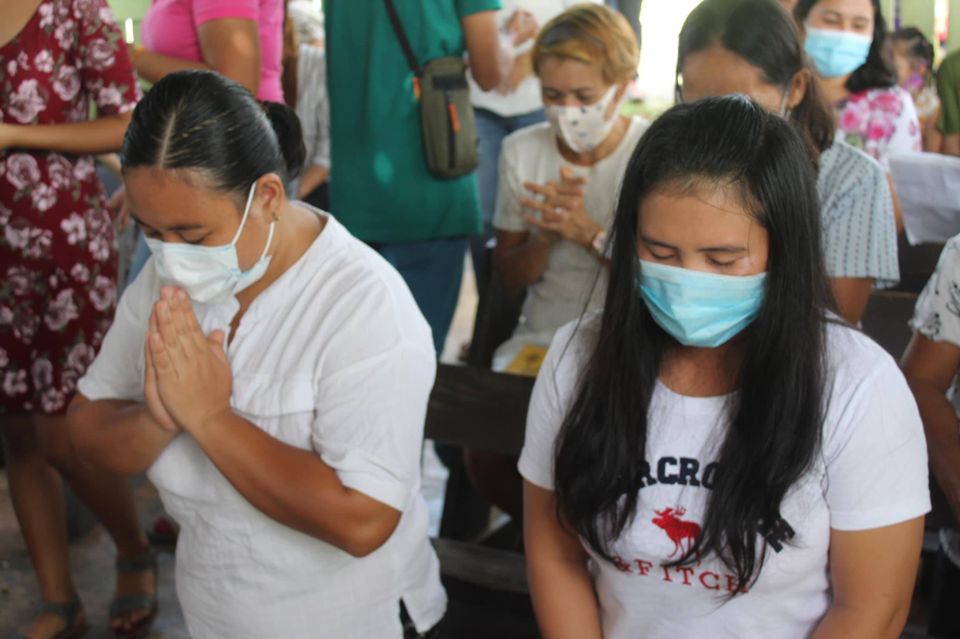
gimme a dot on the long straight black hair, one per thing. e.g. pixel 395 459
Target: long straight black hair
pixel 761 32
pixel 875 73
pixel 775 419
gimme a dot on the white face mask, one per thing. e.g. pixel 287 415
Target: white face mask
pixel 209 274
pixel 584 128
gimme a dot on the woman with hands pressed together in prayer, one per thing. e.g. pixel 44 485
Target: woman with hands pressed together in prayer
pixel 270 373
pixel 558 181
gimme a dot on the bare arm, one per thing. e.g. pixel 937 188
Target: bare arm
pixel 115 435
pixel 230 46
pixel 488 62
pixel 872 573
pixel 951 144
pixel 102 135
pixel 851 295
pixel 897 211
pixel 264 470
pixel 520 257
pixel 295 487
pixel 314 176
pixel 560 584
pixel 930 368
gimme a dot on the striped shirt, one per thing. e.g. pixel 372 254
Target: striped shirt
pixel 313 108
pixel 859 230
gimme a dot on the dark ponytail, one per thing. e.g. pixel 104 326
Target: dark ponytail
pixel 762 33
pixel 286 126
pixel 203 121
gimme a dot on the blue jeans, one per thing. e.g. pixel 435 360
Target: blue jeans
pixel 491 129
pixel 432 270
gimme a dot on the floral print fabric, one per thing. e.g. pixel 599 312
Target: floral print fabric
pixel 58 261
pixel 881 122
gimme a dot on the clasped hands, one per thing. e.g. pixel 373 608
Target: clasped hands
pixel 188 381
pixel 563 214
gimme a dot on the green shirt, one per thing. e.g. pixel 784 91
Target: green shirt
pixel 948 87
pixel 380 188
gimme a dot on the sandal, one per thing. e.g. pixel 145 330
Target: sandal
pixel 122 606
pixel 70 612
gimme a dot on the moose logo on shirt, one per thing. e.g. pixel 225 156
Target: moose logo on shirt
pixel 684 534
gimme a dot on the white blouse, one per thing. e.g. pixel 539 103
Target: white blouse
pixel 333 357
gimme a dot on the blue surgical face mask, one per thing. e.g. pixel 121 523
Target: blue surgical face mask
pixel 209 274
pixel 836 53
pixel 698 308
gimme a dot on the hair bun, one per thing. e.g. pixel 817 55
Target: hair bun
pixel 286 125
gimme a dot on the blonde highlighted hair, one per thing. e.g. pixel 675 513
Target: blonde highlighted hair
pixel 594 34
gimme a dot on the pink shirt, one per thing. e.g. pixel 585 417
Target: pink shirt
pixel 170 28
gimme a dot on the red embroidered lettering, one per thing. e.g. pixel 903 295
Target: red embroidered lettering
pixel 643 566
pixel 703 580
pixel 620 564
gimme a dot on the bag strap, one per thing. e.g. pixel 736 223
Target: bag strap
pixel 402 37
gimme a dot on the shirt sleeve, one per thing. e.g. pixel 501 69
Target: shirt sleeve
pixel 469 7
pixel 548 406
pixel 369 424
pixel 104 61
pixel 949 92
pixel 207 10
pixel 937 313
pixel 508 214
pixel 860 234
pixel 117 371
pixel 875 453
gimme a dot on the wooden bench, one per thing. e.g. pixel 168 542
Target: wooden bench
pixel 476 408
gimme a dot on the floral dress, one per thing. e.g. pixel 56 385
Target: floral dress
pixel 880 122
pixel 58 260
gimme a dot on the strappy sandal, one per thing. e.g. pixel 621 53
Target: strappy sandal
pixel 120 607
pixel 71 612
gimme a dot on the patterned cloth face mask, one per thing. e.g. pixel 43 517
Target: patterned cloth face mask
pixel 584 128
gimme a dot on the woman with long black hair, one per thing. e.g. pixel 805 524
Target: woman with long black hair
pixel 714 454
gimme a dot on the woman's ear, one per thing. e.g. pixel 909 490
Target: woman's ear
pixel 271 196
pixel 798 87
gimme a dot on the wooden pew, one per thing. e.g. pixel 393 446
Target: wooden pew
pixel 476 408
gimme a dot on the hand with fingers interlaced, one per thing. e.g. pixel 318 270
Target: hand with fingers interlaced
pixel 188 380
pixel 562 209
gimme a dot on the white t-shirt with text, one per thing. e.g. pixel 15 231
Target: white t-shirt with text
pixel 871 472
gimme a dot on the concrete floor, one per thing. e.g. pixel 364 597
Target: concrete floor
pixel 91 558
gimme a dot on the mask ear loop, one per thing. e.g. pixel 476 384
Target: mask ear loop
pixel 246 212
pixel 269 239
